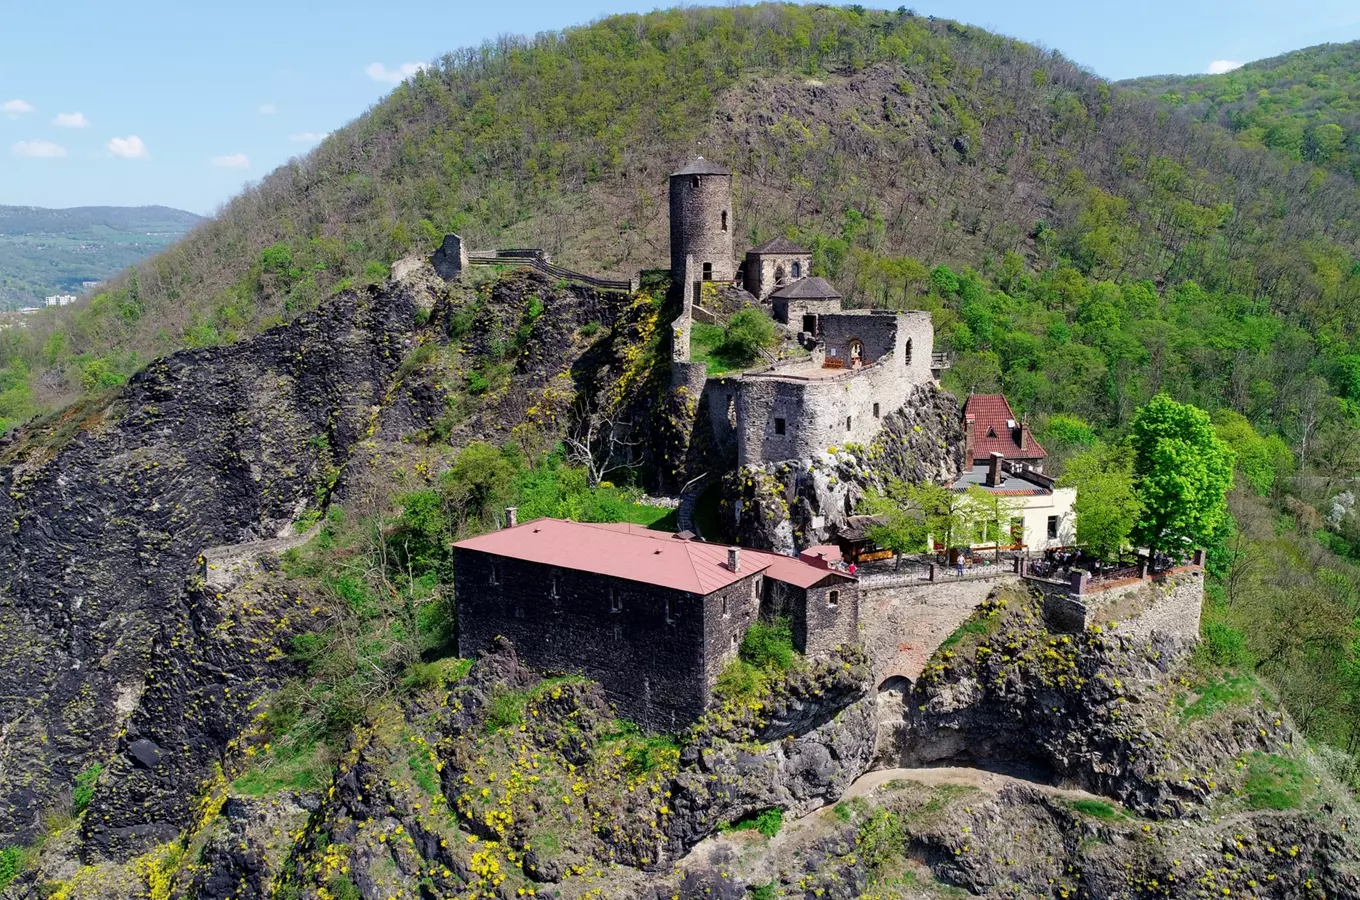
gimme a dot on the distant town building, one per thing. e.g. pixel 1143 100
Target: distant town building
pixel 653 617
pixel 61 300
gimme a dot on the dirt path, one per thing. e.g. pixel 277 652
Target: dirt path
pixel 962 776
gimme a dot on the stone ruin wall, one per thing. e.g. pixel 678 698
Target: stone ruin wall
pixel 1170 604
pixel 760 268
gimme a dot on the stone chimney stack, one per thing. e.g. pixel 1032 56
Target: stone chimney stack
pixel 1020 437
pixel 511 516
pixel 968 423
pixel 734 559
pixel 994 470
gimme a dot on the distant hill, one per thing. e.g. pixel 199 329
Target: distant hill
pixel 1305 104
pixel 51 251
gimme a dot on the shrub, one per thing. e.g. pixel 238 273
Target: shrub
pixel 748 332
pixel 11 864
pixel 1224 646
pixel 740 682
pixel 769 645
pixel 1098 809
pixel 83 792
pixel 766 822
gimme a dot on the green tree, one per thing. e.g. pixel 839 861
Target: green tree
pixel 950 516
pixel 902 528
pixel 1107 506
pixel 747 333
pixel 479 483
pixel 1261 460
pixel 1183 471
pixel 993 515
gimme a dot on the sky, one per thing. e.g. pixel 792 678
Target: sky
pixel 182 103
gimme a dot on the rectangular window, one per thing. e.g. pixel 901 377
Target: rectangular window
pixel 724 604
pixel 1052 527
pixel 493 579
pixel 779 426
pixel 875 410
pixel 708 271
pixel 847 423
pixel 833 598
pixel 615 601
pixel 618 633
pixel 724 220
pixel 669 620
pixel 553 590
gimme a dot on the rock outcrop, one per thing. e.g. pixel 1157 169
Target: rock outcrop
pixel 787 506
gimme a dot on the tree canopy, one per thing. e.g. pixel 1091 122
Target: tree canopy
pixel 1183 472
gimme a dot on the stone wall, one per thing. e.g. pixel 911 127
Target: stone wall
pixel 1170 604
pixel 762 271
pixel 698 205
pixel 791 312
pixel 656 652
pixel 818 626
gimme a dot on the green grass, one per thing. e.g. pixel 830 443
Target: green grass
pixel 762 891
pixel 1097 809
pixel 1219 692
pixel 766 822
pixel 658 518
pixel 1274 782
pixel 982 626
pixel 706 346
pixel 286 768
pixel 11 864
pixel 642 753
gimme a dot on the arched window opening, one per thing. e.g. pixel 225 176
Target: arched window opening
pixel 778 274
pixel 906 360
pixel 797 270
pixel 724 220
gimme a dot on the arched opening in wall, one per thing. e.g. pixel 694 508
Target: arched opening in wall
pixel 724 220
pixel 695 182
pixel 708 271
pixel 778 274
pixel 898 683
pixel 797 270
pixel 856 351
pixel 906 357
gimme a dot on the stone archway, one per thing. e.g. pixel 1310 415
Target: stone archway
pixel 856 352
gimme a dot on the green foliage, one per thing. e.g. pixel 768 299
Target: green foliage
pixel 767 822
pixel 1261 460
pixel 83 792
pixel 1107 505
pixel 1218 692
pixel 769 645
pixel 11 864
pixel 748 331
pixel 741 682
pixel 1274 782
pixel 285 766
pixel 1183 473
pixel 642 753
pixel 882 839
pixel 1223 646
pixel 764 891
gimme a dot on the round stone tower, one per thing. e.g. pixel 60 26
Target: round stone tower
pixel 701 225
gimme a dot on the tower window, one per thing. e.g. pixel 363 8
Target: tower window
pixel 734 643
pixel 708 271
pixel 797 270
pixel 724 220
pixel 779 426
pixel 847 423
pixel 833 598
pixel 695 182
pixel 906 358
pixel 724 604
pixel 875 410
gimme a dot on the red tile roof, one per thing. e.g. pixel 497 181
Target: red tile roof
pixel 634 553
pixel 992 433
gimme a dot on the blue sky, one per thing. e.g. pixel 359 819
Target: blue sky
pixel 181 103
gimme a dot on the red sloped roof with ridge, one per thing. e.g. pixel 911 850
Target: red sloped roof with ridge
pixel 991 433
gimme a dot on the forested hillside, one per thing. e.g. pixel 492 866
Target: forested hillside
pixel 1303 105
pixel 49 251
pixel 1083 247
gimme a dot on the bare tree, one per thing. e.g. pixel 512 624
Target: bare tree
pixel 600 440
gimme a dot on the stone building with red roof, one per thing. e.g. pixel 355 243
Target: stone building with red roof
pixel 990 426
pixel 652 616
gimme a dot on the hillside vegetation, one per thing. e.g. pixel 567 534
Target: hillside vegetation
pixel 50 251
pixel 1302 105
pixel 1082 248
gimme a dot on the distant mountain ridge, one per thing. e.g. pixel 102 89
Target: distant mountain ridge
pixel 1304 104
pixel 51 251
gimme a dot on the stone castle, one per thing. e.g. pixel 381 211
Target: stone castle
pixel 846 369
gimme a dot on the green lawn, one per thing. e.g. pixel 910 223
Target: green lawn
pixel 703 347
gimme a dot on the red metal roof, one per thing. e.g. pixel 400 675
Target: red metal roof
pixel 634 553
pixel 992 431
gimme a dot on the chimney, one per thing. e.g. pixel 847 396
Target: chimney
pixel 994 470
pixel 734 559
pixel 511 516
pixel 968 424
pixel 1020 438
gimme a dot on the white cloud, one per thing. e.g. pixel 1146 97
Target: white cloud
pixel 1219 66
pixel 269 109
pixel 380 72
pixel 309 137
pixel 233 161
pixel 130 147
pixel 38 149
pixel 70 120
pixel 15 108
